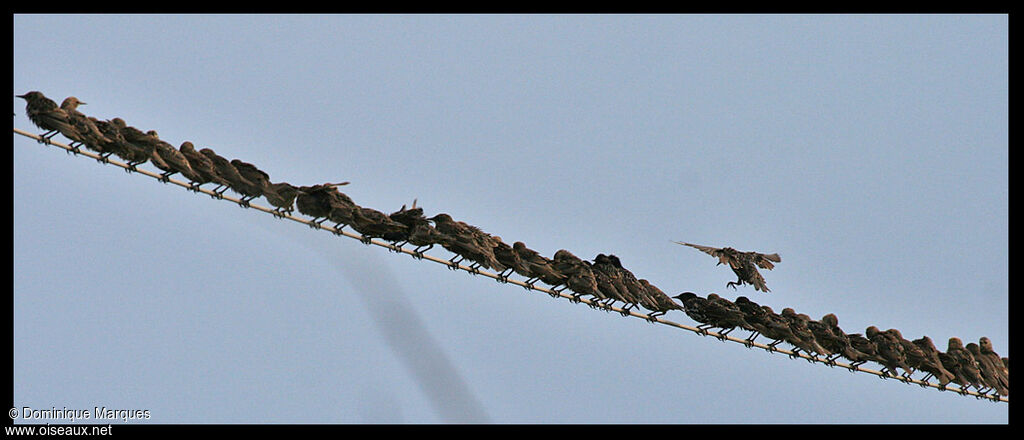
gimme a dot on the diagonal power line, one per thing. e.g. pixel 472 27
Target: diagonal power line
pixel 554 292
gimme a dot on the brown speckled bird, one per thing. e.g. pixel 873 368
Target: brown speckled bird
pixel 743 264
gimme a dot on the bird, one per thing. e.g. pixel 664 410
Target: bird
pixel 805 340
pixel 724 314
pixel 864 345
pixel 169 159
pixel 986 349
pixel 138 146
pixel 832 338
pixel 578 275
pixel 694 306
pixel 467 241
pixel 88 133
pixel 610 278
pixel 758 318
pixel 315 201
pixel 913 354
pixel 743 264
pixel 202 165
pixel 779 328
pixel 420 233
pixel 117 144
pixel 45 114
pixel 931 363
pixel 226 171
pixel 509 258
pixel 659 303
pixel 253 181
pixel 962 364
pixel 372 223
pixel 890 351
pixel 282 196
pixel 636 290
pixel 990 373
pixel 540 268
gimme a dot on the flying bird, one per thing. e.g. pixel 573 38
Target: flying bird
pixel 743 264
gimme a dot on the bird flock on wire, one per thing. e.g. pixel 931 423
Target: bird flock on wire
pixel 604 279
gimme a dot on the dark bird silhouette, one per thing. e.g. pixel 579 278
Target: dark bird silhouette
pixel 315 201
pixel 636 290
pixel 282 196
pixel 88 133
pixel 610 278
pixel 890 351
pixel 930 363
pixel 421 233
pixel 227 172
pixel 913 354
pixel 805 340
pixel 45 114
pixel 508 257
pixel 203 167
pixel 725 315
pixel 1001 364
pixel 962 364
pixel 832 338
pixel 864 345
pixel 990 373
pixel 170 160
pixel 779 328
pixel 117 144
pixel 743 264
pixel 467 241
pixel 540 268
pixel 658 302
pixel 578 275
pixel 138 146
pixel 372 223
pixel 694 306
pixel 758 319
pixel 254 180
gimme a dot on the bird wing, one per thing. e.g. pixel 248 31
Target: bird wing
pixel 765 261
pixel 723 258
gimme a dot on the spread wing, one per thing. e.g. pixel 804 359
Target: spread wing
pixel 723 257
pixel 765 261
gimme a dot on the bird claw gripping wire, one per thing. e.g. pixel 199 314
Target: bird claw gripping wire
pixel 103 159
pixel 365 239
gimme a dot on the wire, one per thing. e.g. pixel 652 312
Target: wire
pixel 770 348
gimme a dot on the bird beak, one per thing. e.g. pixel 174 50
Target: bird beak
pixel 21 96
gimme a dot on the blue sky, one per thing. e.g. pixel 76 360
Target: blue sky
pixel 870 152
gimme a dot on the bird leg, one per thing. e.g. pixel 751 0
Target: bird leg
pixel 703 329
pixel 166 176
pixel 653 316
pixel 453 264
pixel 194 186
pixel 733 284
pixel 365 239
pixel 44 138
pixel 750 339
pixel 104 158
pixel 74 145
pixel 418 253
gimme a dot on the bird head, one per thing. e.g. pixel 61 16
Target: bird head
pixel 685 296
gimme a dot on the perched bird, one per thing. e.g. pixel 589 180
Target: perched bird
pixel 577 274
pixel 694 306
pixel 990 373
pixel 117 144
pixel 864 345
pixel 743 264
pixel 508 257
pixel 254 180
pixel 282 196
pixel 467 241
pixel 88 133
pixel 202 166
pixel 931 363
pixel 779 328
pixel 890 350
pixel 1002 364
pixel 540 268
pixel 636 290
pixel 659 303
pixel 805 340
pixel 609 281
pixel 227 172
pixel 832 338
pixel 315 201
pixel 913 354
pixel 724 314
pixel 420 233
pixel 138 146
pixel 169 159
pixel 758 319
pixel 45 114
pixel 372 223
pixel 962 364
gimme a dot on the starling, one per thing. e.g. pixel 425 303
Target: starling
pixel 169 159
pixel 508 257
pixel 89 134
pixel 805 340
pixel 931 363
pixel 913 354
pixel 964 363
pixel 421 233
pixel 724 314
pixel 117 145
pixel 864 345
pixel 45 114
pixel 467 241
pixel 372 223
pixel 253 180
pixel 315 201
pixel 609 281
pixel 694 307
pixel 540 268
pixel 779 328
pixel 636 290
pixel 1002 364
pixel 282 196
pixel 758 319
pixel 743 264
pixel 832 338
pixel 226 171
pixel 989 373
pixel 660 303
pixel 138 146
pixel 202 166
pixel 577 274
pixel 890 350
